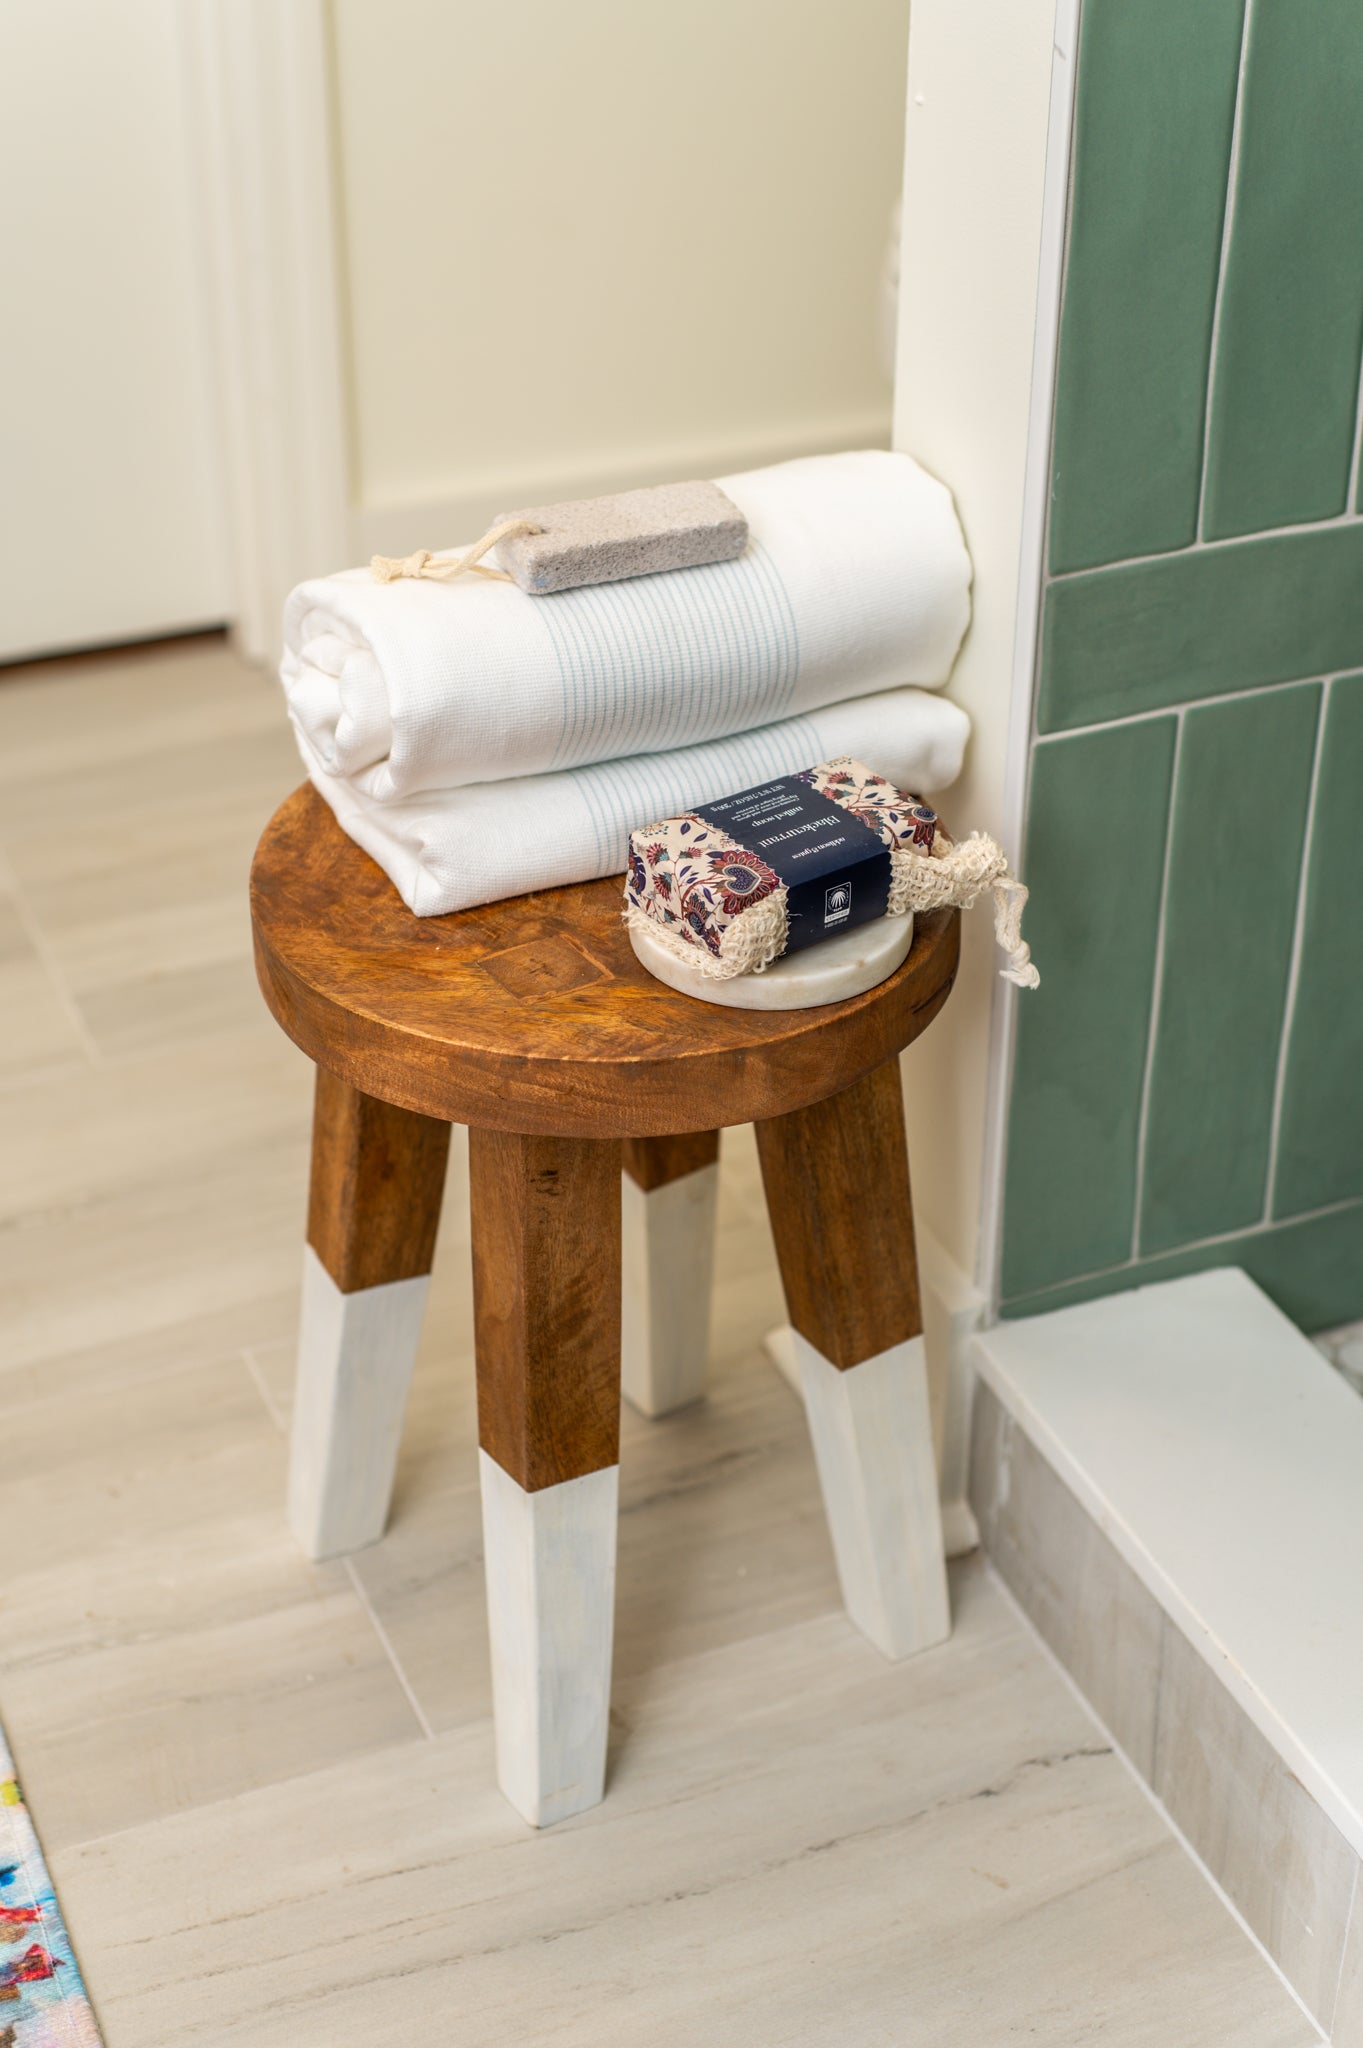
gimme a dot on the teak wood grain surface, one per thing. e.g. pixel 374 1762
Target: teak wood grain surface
pixel 546 1303
pixel 836 1175
pixel 533 1015
pixel 655 1162
pixel 378 1175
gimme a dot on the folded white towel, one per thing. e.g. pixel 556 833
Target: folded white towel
pixel 855 579
pixel 449 849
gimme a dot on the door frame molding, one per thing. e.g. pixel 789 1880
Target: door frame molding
pixel 264 186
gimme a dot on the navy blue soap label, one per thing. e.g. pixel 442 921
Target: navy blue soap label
pixel 836 870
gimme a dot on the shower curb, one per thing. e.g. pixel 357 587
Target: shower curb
pixel 1170 1483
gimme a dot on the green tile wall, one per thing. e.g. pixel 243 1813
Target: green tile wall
pixel 1156 104
pixel 1187 1083
pixel 1244 773
pixel 1093 921
pixel 1320 1142
pixel 1119 641
pixel 1286 391
pixel 1310 1268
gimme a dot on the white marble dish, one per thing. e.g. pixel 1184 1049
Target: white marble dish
pixel 827 973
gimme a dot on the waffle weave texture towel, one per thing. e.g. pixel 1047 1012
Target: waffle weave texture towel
pixel 449 849
pixel 855 580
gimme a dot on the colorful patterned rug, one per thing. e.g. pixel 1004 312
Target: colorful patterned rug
pixel 43 2003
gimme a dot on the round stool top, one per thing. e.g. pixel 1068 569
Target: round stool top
pixel 533 1015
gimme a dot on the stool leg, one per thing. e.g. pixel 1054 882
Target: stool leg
pixel 546 1305
pixel 669 1197
pixel 377 1177
pixel 837 1182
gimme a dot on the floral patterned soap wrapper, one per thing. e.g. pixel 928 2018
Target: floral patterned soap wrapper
pixel 722 908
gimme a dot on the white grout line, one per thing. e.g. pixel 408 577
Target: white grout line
pixel 1352 499
pixel 1178 1251
pixel 1344 1947
pixel 1156 993
pixel 1221 546
pixel 253 1368
pixel 1294 963
pixel 252 1364
pixel 47 959
pixel 1147 1789
pixel 1227 222
pixel 381 1632
pixel 1071 732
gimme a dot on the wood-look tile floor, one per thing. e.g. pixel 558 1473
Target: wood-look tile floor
pixel 266 1788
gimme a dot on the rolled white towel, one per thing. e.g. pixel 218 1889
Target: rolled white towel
pixel 855 579
pixel 449 849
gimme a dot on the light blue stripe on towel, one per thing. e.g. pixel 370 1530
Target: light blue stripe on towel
pixel 622 795
pixel 666 661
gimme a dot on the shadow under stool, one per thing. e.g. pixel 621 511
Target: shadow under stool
pixel 531 1022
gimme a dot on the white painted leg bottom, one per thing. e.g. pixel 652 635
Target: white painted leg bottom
pixel 669 1260
pixel 872 1433
pixel 355 1358
pixel 952 1309
pixel 550 1560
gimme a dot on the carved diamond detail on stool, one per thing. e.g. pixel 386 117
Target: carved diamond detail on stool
pixel 532 1022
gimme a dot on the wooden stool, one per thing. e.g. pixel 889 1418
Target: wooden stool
pixel 531 1022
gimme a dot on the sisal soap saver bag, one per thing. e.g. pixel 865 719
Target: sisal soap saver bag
pixel 731 886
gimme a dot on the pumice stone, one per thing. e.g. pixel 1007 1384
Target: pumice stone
pixel 632 533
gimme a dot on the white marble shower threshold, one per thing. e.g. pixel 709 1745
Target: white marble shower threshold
pixel 1222 1457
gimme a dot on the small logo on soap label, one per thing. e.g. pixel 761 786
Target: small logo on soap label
pixel 837 904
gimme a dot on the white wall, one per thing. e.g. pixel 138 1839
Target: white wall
pixel 980 86
pixel 612 242
pixel 590 246
pixel 110 477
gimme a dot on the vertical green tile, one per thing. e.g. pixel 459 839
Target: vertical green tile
pixel 1155 107
pixel 1320 1139
pixel 1285 388
pixel 1240 796
pixel 1097 819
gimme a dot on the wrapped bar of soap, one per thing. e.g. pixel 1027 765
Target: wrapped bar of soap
pixel 735 884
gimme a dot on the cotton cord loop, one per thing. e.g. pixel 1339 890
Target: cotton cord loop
pixel 918 881
pixel 961 872
pixel 423 565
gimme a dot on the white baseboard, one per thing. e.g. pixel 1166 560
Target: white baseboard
pixel 463 510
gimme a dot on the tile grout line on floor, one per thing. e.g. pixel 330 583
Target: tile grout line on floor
pixel 261 1385
pixel 389 1651
pixel 257 1378
pixel 36 937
